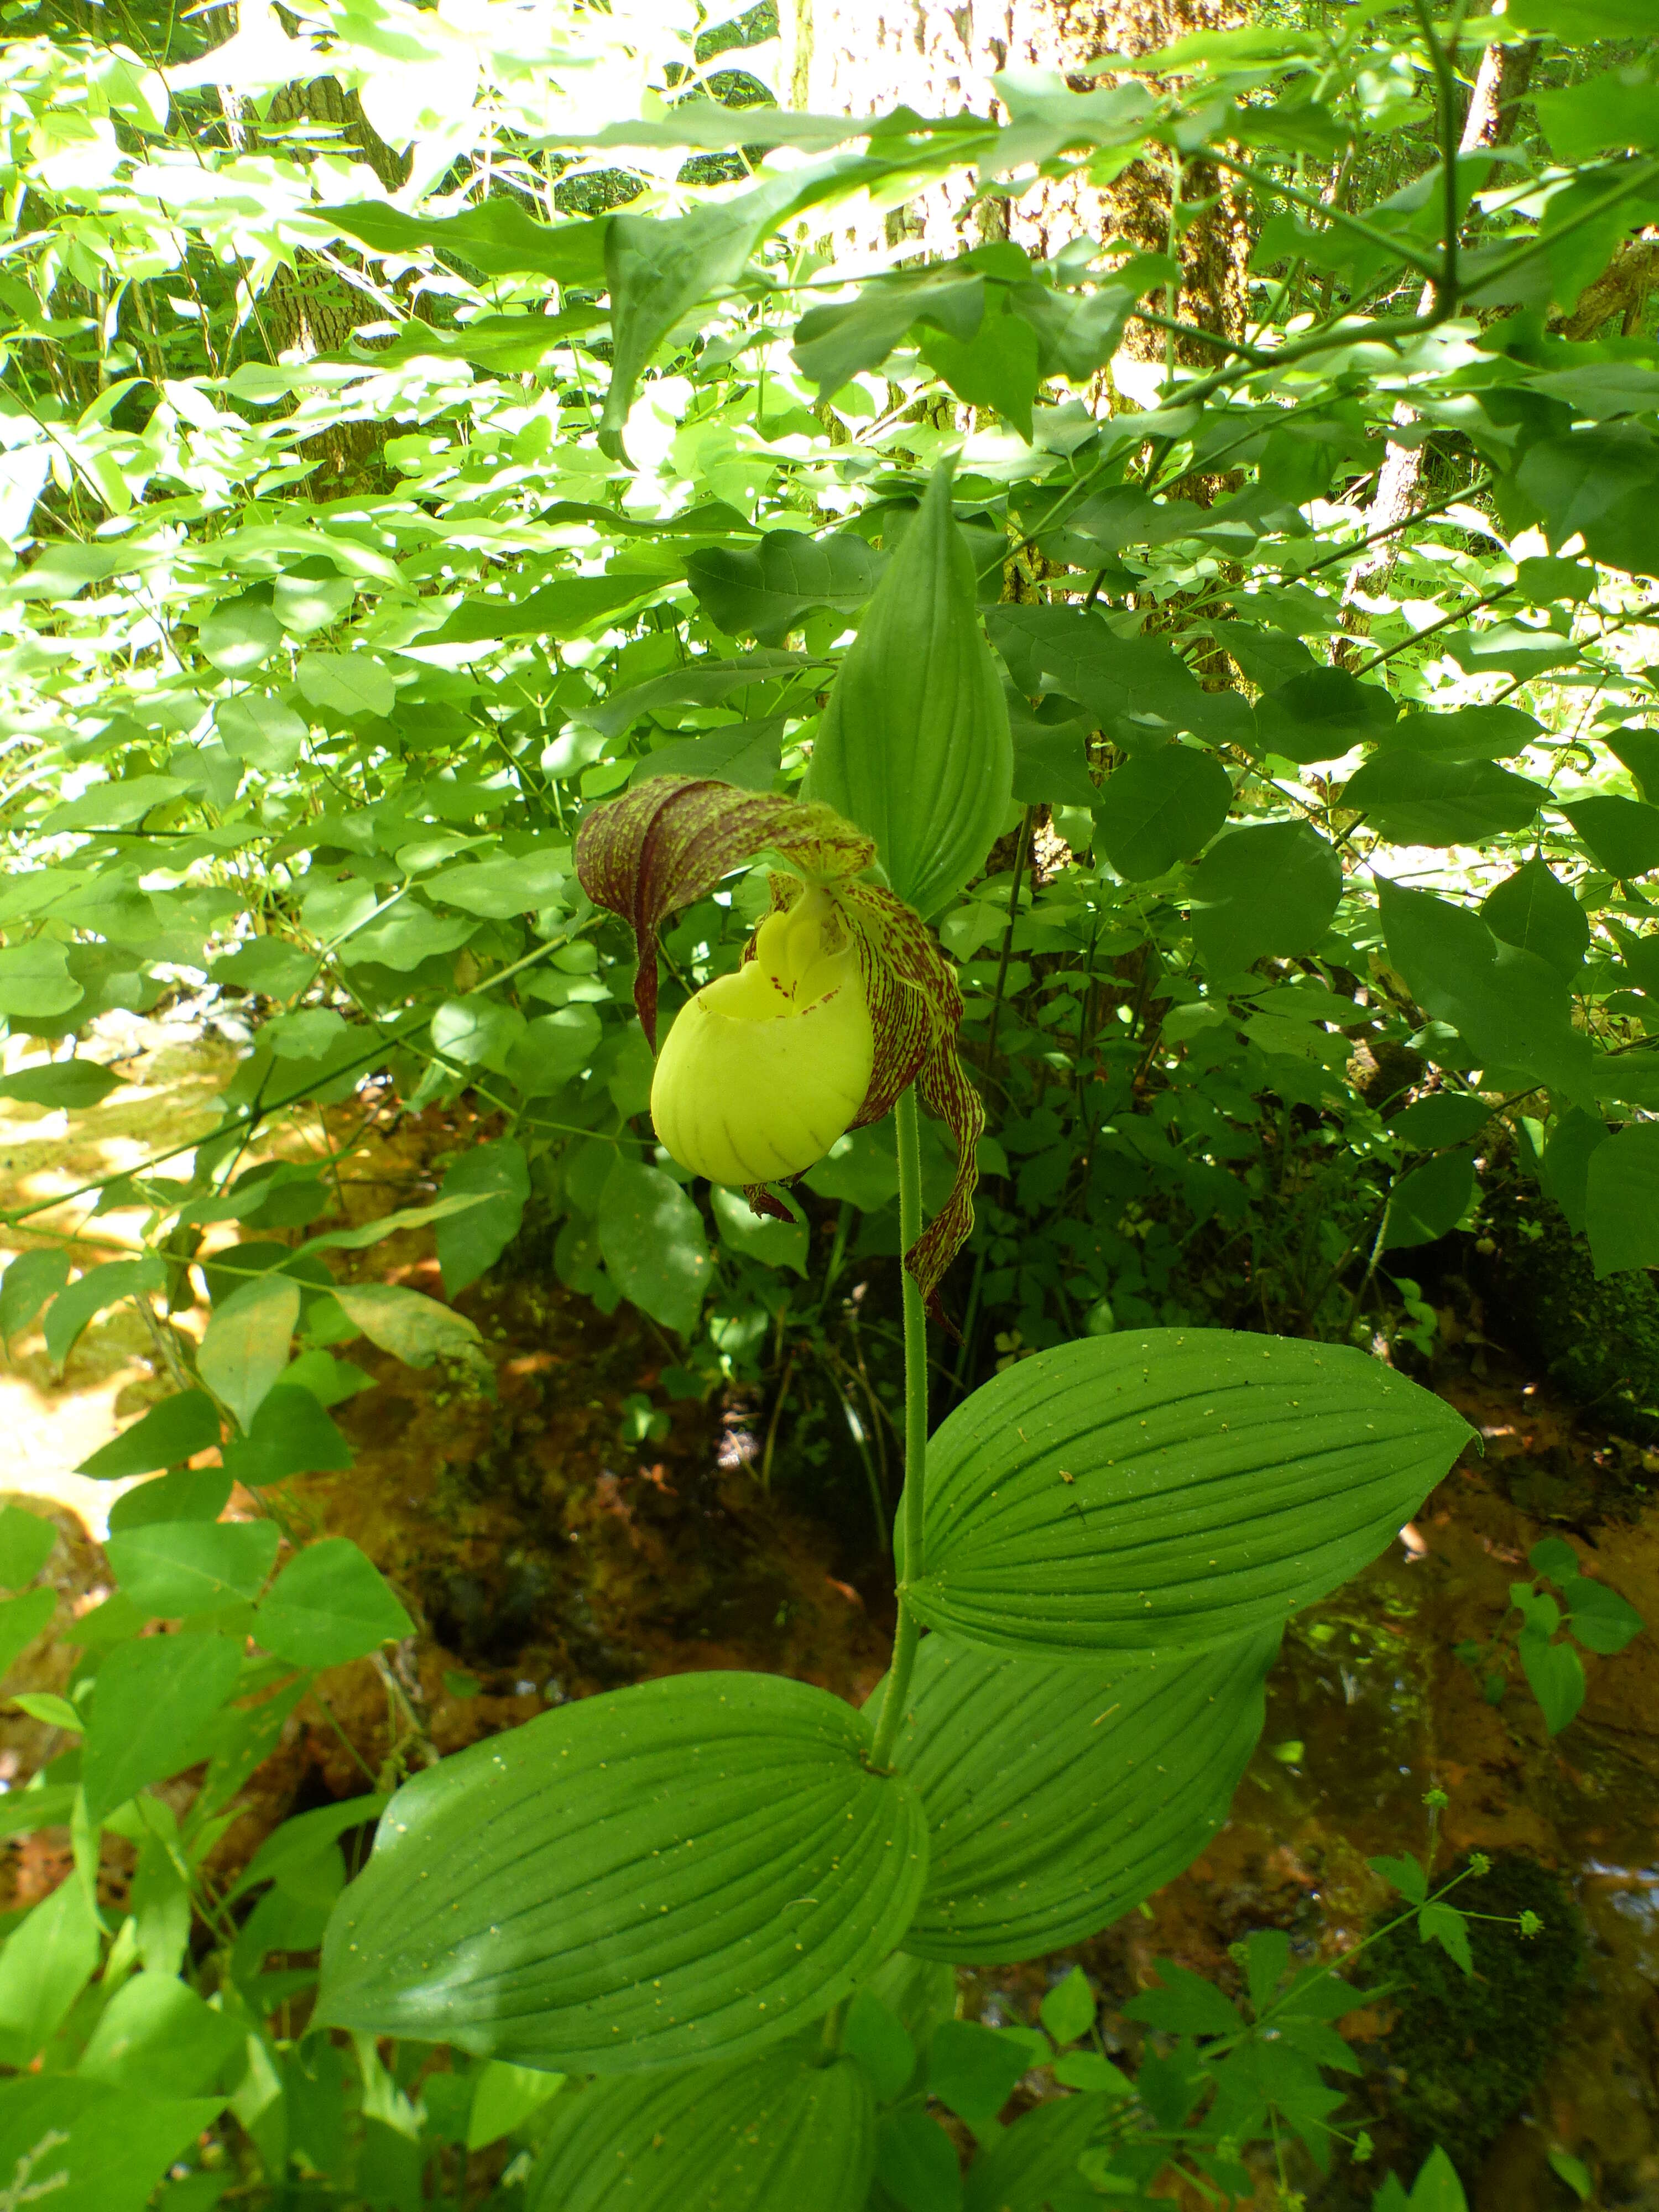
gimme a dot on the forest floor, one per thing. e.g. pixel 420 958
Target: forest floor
pixel 545 1558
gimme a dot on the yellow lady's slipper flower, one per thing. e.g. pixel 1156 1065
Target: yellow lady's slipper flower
pixel 842 1001
pixel 764 1069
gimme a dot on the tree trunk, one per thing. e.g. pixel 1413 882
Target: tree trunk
pixel 864 57
pixel 1621 289
pixel 312 308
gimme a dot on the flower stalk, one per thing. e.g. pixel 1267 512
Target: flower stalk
pixel 912 1505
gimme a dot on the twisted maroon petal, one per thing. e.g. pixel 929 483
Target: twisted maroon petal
pixel 915 1010
pixel 671 838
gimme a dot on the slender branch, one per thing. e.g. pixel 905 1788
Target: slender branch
pixel 1445 622
pixel 1027 824
pixel 1346 552
pixel 1619 621
pixel 1260 354
pixel 1311 201
pixel 1445 280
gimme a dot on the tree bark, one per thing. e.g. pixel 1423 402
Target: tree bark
pixel 865 57
pixel 1621 289
pixel 312 308
pixel 868 57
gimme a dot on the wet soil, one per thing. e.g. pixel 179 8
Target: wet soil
pixel 544 1557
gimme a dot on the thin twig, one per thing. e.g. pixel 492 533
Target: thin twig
pixel 1025 829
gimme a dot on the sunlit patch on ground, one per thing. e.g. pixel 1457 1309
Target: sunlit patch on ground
pixel 53 1423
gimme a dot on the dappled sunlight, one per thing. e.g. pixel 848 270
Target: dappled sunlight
pixel 52 1426
pixel 55 1422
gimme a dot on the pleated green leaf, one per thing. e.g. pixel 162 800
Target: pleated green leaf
pixel 1169 1488
pixel 914 746
pixel 1058 1795
pixel 689 1869
pixel 779 2133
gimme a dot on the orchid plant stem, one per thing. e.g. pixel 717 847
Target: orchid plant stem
pixel 915 1434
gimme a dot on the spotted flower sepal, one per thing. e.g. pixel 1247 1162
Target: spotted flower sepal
pixel 843 1000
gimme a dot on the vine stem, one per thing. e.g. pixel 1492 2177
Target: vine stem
pixel 907 1633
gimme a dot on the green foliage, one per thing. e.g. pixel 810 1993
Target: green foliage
pixel 914 746
pixel 328 630
pixel 1031 1842
pixel 782 1870
pixel 1471 2043
pixel 1541 1631
pixel 1168 1491
pixel 780 2128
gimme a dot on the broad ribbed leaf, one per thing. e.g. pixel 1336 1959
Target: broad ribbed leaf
pixel 779 2133
pixel 690 1868
pixel 1059 1795
pixel 1169 1488
pixel 914 746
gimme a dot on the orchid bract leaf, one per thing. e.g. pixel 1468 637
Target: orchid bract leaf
pixel 915 746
